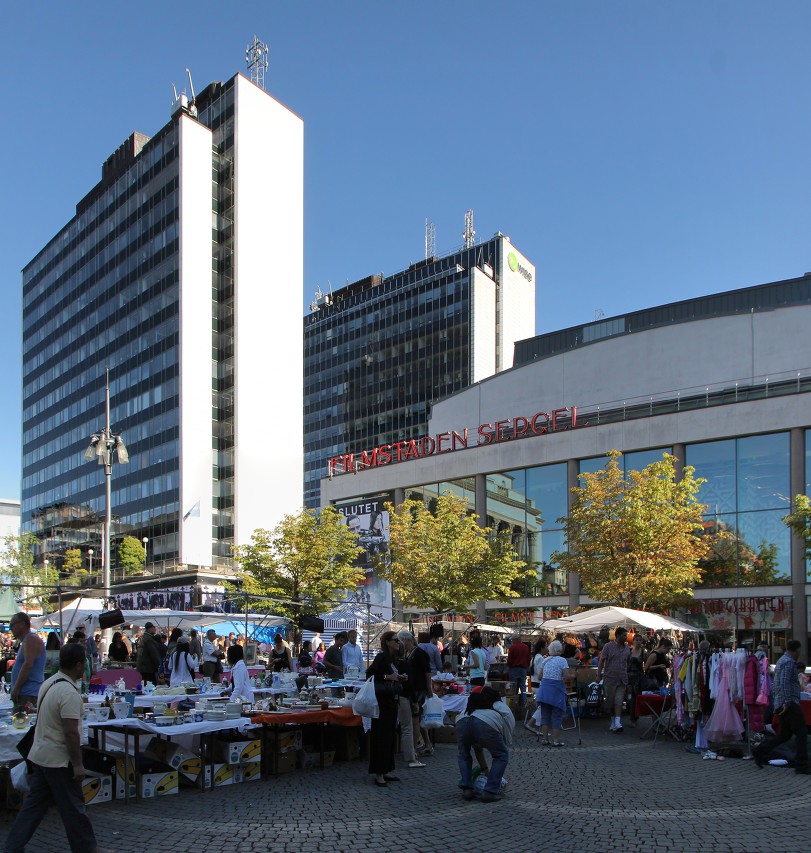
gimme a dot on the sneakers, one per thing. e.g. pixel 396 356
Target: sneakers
pixel 468 793
pixel 612 727
pixel 414 764
pixel 423 751
pixel 546 743
pixel 558 743
pixel 530 727
pixel 618 730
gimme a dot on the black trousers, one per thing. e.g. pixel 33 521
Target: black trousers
pixel 792 722
pixel 383 738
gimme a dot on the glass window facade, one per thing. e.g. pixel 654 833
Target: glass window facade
pixel 379 351
pixel 747 494
pixel 104 293
pixel 528 502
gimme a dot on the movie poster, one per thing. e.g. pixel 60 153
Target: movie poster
pixel 370 520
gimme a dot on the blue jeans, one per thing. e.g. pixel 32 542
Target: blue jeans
pixel 518 675
pixel 471 732
pixel 53 785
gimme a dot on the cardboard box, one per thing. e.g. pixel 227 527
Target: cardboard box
pixel 224 774
pixel 148 780
pixel 447 734
pixel 190 768
pixel 281 762
pixel 287 740
pixel 312 760
pixel 251 772
pixel 346 743
pixel 171 754
pixel 97 788
pixel 238 751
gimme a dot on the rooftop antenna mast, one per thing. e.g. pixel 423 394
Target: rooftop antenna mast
pixel 256 58
pixel 469 235
pixel 430 240
pixel 192 105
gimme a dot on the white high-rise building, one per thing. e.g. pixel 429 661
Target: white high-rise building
pixel 181 272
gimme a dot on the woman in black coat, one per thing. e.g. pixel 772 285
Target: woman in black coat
pixel 383 736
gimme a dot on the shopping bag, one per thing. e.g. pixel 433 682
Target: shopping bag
pixel 432 713
pixel 365 703
pixel 19 777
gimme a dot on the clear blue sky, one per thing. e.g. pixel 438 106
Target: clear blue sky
pixel 636 152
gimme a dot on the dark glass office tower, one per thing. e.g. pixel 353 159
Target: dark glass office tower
pixel 181 272
pixel 379 351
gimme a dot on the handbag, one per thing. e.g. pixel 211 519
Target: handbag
pixel 365 703
pixel 19 777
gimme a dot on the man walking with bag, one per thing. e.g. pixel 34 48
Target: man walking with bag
pixel 56 756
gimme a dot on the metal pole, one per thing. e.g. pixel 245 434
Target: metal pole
pixel 108 515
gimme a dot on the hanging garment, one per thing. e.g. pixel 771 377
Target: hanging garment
pixel 725 721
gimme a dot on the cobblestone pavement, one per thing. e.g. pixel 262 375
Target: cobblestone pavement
pixel 614 792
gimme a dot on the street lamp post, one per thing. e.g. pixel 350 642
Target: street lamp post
pixel 145 540
pixel 102 445
pixel 90 553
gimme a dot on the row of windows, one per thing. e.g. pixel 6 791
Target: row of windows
pixel 746 491
pixel 60 254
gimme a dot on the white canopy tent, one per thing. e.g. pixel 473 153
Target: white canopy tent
pixel 462 627
pixel 85 611
pixel 611 617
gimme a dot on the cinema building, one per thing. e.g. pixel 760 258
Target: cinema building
pixel 721 382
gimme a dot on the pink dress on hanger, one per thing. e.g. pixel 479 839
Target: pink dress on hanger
pixel 725 721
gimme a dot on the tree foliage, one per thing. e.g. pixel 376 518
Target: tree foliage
pixel 72 568
pixel 307 557
pixel 131 555
pixel 31 584
pixel 800 521
pixel 635 540
pixel 443 560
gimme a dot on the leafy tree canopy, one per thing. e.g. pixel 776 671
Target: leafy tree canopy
pixel 307 557
pixel 72 567
pixel 31 584
pixel 443 560
pixel 635 540
pixel 131 555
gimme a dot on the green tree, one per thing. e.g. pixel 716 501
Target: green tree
pixel 32 584
pixel 635 540
pixel 442 559
pixel 308 557
pixel 131 555
pixel 800 521
pixel 72 567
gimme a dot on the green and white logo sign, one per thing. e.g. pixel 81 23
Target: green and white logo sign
pixel 515 266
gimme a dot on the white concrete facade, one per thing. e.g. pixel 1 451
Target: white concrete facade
pixel 269 286
pixel 196 484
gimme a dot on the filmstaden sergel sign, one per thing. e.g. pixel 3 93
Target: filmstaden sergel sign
pixel 510 429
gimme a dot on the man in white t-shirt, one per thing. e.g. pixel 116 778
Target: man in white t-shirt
pixel 352 653
pixel 56 756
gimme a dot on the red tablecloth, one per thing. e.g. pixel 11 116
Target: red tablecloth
pixel 648 703
pixel 337 716
pixel 806 709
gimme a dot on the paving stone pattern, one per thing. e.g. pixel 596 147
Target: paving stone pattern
pixel 613 793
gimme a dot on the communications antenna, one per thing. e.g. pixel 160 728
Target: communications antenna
pixel 430 240
pixel 469 235
pixel 256 57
